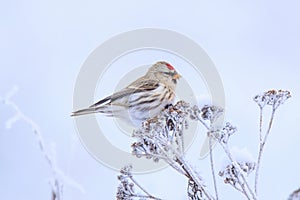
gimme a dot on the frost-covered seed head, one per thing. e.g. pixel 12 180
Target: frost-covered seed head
pixel 273 98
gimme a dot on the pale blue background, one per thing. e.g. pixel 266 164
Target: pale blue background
pixel 255 46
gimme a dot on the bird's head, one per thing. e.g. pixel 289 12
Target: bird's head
pixel 164 72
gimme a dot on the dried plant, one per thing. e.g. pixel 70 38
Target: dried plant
pixel 162 138
pixel 126 189
pixel 58 179
pixel 295 195
pixel 273 99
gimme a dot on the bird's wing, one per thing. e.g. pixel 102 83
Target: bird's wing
pixel 135 87
pixel 144 85
pixel 113 97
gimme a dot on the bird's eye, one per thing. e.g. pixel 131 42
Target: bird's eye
pixel 169 73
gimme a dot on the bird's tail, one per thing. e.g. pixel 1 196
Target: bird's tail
pixel 84 111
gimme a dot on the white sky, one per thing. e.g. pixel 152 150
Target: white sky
pixel 254 45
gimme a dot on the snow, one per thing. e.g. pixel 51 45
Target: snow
pixel 240 155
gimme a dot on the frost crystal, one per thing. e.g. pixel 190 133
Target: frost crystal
pixel 222 135
pixel 245 161
pixel 231 175
pixel 160 136
pixel 206 113
pixel 211 113
pixel 126 188
pixel 58 179
pixel 194 192
pixel 272 97
pixel 295 195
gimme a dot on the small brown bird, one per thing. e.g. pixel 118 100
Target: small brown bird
pixel 142 99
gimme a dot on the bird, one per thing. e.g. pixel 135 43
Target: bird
pixel 144 98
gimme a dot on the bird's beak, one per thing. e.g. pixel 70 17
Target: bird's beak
pixel 176 76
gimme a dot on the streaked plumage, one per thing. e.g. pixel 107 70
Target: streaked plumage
pixel 142 99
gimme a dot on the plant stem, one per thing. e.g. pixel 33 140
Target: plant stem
pixel 260 142
pixel 149 195
pixel 239 170
pixel 146 197
pixel 261 148
pixel 191 175
pixel 260 124
pixel 212 166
